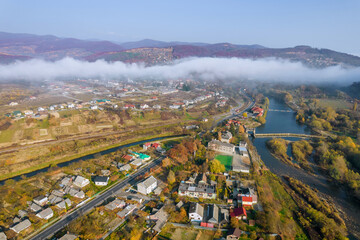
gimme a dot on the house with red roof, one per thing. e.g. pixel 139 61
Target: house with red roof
pixel 146 145
pixel 127 106
pixel 246 201
pixel 257 110
pixel 127 157
pixel 239 213
pixel 155 145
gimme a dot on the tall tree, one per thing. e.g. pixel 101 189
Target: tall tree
pixel 171 177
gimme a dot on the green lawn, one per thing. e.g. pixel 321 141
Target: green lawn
pixel 6 135
pixel 225 160
pixel 334 103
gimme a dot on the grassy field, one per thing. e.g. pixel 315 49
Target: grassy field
pixel 69 158
pixel 334 103
pixel 225 160
pixel 178 233
pixel 6 136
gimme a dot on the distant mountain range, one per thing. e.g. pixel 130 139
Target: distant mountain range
pixel 21 47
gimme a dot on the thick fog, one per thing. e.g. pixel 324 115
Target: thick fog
pixel 204 68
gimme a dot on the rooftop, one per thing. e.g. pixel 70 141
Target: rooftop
pixel 149 181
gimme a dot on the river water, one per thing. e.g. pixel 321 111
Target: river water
pixel 284 122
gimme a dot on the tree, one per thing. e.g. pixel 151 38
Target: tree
pixel 241 129
pixel 215 166
pixel 245 115
pixel 171 177
pixel 234 222
pixel 219 135
pixel 288 97
pixel 267 102
pixel 261 120
pixel 166 162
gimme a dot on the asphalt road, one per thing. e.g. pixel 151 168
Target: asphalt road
pixel 234 114
pixel 48 232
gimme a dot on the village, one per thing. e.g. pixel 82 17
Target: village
pixel 116 95
pixel 211 199
pixel 209 188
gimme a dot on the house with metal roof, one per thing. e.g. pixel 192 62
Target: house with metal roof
pixel 147 186
pixel 126 211
pixel 219 146
pixel 81 181
pixel 196 212
pixel 40 200
pixel 21 226
pixel 34 207
pixel 69 236
pixel 117 203
pixel 45 214
pixel 101 180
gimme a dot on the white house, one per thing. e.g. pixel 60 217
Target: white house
pixel 137 162
pixel 226 136
pixel 196 212
pixel 40 200
pixel 46 214
pixel 81 181
pixel 125 167
pixel 147 186
pixel 144 106
pixel 174 106
pixel 28 112
pixel 101 180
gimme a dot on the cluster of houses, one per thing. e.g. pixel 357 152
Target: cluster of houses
pixel 93 105
pixel 212 215
pixel 208 215
pixel 198 186
pixel 185 103
pixel 233 121
pixel 43 206
pixel 221 103
pixel 126 208
pixel 155 146
pixel 134 160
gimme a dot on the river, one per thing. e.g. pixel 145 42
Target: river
pixel 284 122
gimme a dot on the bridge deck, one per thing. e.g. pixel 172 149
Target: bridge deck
pixel 264 135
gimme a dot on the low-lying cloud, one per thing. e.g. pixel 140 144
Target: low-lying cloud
pixel 204 68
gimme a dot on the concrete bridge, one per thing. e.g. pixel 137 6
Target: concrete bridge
pixel 297 135
pixel 278 110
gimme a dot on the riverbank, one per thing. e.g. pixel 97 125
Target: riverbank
pixel 285 122
pixel 79 156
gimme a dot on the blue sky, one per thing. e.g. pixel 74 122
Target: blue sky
pixel 330 24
